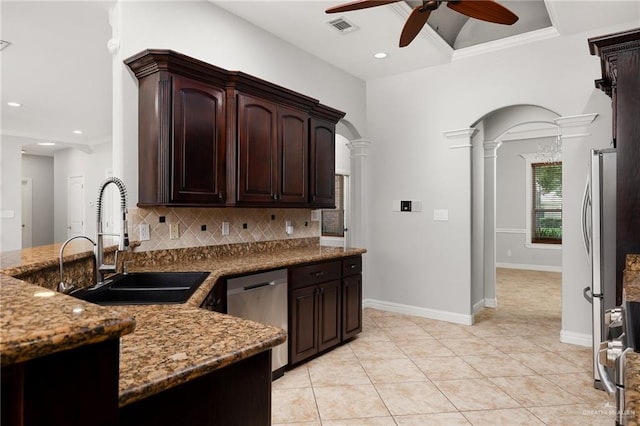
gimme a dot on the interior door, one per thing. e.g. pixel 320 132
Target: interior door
pixel 27 221
pixel 75 204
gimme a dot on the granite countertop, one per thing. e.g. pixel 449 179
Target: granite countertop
pixel 631 289
pixel 171 344
pixel 35 322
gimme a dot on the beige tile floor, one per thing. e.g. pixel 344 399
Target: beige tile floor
pixel 508 369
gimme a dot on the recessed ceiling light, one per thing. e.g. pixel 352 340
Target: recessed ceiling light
pixel 46 143
pixel 380 55
pixel 14 104
pixel 77 132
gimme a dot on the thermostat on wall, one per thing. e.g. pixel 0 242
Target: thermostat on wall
pixel 407 206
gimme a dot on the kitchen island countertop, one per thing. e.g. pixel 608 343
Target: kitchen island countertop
pixel 171 344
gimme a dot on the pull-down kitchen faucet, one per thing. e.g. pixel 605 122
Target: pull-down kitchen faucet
pixel 101 268
pixel 62 286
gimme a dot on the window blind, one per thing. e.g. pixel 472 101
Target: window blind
pixel 547 203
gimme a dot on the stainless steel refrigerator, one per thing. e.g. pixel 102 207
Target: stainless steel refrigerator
pixel 599 231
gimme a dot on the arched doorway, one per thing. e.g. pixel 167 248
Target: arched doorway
pixel 500 216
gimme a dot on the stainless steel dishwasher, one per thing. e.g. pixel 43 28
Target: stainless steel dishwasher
pixel 262 298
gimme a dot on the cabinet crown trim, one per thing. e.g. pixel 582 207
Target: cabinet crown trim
pixel 151 61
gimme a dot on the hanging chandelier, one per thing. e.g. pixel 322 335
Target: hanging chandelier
pixel 551 152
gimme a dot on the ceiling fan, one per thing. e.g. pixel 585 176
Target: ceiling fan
pixel 485 10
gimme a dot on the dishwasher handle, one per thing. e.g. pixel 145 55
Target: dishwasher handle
pixel 251 287
pixel 255 286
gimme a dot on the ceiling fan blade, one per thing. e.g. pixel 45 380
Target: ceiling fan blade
pixel 359 4
pixel 414 24
pixel 485 10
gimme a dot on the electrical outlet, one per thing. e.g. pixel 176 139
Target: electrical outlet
pixel 144 232
pixel 174 231
pixel 225 228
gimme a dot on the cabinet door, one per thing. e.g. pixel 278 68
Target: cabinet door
pixel 198 149
pixel 351 306
pixel 322 164
pixel 257 150
pixel 303 324
pixel 329 314
pixel 293 155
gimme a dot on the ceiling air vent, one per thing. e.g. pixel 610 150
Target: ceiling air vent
pixel 343 25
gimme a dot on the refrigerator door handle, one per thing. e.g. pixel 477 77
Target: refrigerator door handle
pixel 587 294
pixel 608 384
pixel 584 225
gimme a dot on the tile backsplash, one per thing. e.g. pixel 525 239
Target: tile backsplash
pixel 203 226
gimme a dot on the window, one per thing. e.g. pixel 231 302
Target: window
pixel 333 220
pixel 546 203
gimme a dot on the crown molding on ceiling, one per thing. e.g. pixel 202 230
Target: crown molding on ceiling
pixel 513 41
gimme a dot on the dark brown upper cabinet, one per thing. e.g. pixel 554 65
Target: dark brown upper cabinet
pixel 198 151
pixel 181 130
pixel 212 137
pixel 272 153
pixel 322 164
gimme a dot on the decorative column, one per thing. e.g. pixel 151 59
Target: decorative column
pixel 358 216
pixel 489 274
pixel 460 144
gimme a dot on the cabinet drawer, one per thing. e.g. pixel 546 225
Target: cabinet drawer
pixel 303 276
pixel 352 266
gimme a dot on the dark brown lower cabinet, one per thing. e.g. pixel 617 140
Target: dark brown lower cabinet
pixel 315 320
pixel 74 387
pixel 351 306
pixel 236 395
pixel 325 306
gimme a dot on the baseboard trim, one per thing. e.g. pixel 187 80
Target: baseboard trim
pixel 543 268
pixel 478 306
pixel 491 303
pixel 573 338
pixel 418 311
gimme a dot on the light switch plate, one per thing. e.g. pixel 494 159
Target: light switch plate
pixel 441 215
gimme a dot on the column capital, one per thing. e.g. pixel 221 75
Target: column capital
pixel 359 147
pixel 575 120
pixel 490 148
pixel 461 135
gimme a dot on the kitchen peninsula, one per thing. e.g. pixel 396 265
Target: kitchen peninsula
pixel 164 349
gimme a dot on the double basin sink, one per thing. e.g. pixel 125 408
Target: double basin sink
pixel 139 288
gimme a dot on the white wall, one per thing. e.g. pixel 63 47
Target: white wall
pixel 93 167
pixel 40 170
pixel 206 32
pixel 10 194
pixel 414 260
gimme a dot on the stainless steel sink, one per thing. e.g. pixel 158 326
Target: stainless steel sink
pixel 139 288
